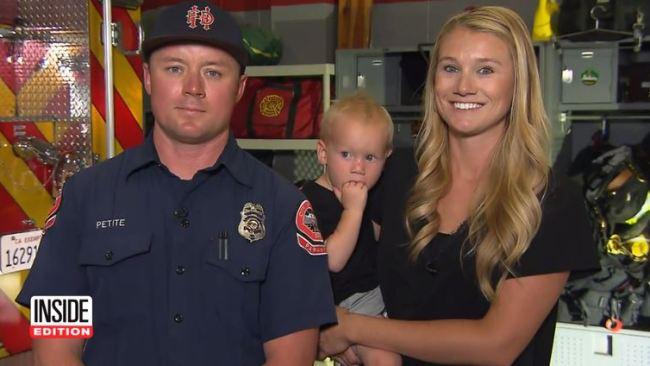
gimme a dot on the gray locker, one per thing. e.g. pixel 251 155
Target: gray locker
pixel 380 76
pixel 589 75
pixel 376 71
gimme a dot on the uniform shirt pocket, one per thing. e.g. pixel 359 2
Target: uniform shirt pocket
pixel 111 249
pixel 231 292
pixel 116 266
pixel 242 261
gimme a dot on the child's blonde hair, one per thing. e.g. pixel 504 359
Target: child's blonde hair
pixel 362 106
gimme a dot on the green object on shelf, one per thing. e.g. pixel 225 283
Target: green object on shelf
pixel 264 47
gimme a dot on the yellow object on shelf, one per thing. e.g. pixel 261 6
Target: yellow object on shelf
pixel 542 30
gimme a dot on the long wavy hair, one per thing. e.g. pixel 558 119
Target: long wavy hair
pixel 506 216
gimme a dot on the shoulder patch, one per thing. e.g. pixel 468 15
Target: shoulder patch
pixel 51 217
pixel 308 235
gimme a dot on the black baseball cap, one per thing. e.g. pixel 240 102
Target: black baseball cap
pixel 196 22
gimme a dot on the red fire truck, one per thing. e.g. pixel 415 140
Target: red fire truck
pixel 56 117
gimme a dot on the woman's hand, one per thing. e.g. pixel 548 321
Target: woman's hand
pixel 347 358
pixel 333 340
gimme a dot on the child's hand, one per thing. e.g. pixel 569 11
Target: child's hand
pixel 352 195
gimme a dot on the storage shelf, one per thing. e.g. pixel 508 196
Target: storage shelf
pixel 405 113
pixel 413 109
pixel 627 41
pixel 290 70
pixel 277 144
pixel 639 106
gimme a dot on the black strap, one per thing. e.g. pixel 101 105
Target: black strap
pixel 251 110
pixel 297 93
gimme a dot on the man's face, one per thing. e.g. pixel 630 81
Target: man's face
pixel 193 91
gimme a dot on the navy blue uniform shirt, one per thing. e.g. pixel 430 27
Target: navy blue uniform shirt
pixel 173 278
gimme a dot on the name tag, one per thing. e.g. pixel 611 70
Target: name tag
pixel 106 224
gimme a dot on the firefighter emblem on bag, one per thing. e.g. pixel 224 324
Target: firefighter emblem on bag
pixel 204 17
pixel 251 226
pixel 271 105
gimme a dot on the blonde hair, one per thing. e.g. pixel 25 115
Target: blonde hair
pixel 505 218
pixel 364 108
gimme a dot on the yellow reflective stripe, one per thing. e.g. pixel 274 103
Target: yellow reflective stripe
pixel 47 129
pixel 95 31
pixel 11 283
pixel 22 185
pixel 7 101
pixel 7 109
pixel 645 208
pixel 134 14
pixel 23 278
pixel 126 81
pixel 98 126
pixel 128 85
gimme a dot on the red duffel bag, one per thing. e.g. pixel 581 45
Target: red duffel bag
pixel 279 109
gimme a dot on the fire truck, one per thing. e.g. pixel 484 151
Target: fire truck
pixel 69 70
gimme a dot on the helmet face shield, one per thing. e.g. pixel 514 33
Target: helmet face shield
pixel 625 202
pixel 619 198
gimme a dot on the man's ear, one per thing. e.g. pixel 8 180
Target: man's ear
pixel 321 152
pixel 146 76
pixel 242 86
pixel 388 153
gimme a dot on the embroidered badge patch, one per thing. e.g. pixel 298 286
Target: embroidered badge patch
pixel 251 226
pixel 308 236
pixel 203 17
pixel 271 105
pixel 51 217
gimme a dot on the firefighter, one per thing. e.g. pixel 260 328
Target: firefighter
pixel 194 252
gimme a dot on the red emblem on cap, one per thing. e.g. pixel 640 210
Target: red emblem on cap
pixel 204 17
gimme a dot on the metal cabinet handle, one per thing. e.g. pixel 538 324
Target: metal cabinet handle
pixel 117 39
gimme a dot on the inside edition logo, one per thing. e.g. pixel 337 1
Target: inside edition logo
pixel 61 317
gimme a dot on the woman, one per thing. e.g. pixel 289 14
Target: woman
pixel 491 236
